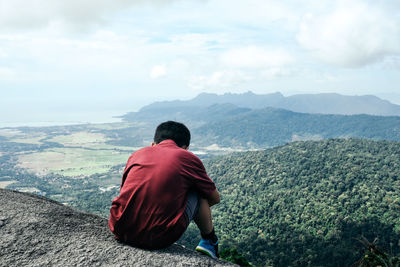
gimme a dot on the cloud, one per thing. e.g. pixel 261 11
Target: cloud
pixel 3 52
pixel 101 55
pixel 257 13
pixel 354 34
pixel 327 78
pixel 257 62
pixel 78 14
pixel 256 57
pixel 7 74
pixel 276 72
pixel 218 80
pixel 157 72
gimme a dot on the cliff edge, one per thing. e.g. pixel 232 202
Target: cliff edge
pixel 36 231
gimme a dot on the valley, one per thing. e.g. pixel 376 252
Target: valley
pixel 297 188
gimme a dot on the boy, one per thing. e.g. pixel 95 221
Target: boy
pixel 163 188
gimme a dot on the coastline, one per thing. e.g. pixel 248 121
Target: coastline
pixel 63 119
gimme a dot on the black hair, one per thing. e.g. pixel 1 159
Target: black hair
pixel 173 130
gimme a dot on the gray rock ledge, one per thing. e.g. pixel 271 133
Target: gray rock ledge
pixel 36 231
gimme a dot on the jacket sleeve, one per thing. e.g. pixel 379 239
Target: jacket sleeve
pixel 196 173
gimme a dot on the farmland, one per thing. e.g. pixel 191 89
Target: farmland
pixel 73 163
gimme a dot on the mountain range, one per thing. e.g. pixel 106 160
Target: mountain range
pixel 299 204
pixel 271 127
pixel 326 103
pixel 241 121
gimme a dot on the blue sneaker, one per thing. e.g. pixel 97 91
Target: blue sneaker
pixel 208 248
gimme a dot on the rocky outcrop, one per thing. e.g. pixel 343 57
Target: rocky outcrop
pixel 36 231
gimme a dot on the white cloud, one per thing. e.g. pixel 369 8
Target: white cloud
pixel 252 13
pixel 263 63
pixel 327 78
pixel 355 33
pixel 218 80
pixel 78 14
pixel 217 45
pixel 101 55
pixel 157 72
pixel 255 57
pixel 3 53
pixel 7 74
pixel 392 62
pixel 276 72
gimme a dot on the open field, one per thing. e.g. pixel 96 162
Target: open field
pixel 88 140
pixel 72 161
pixel 111 147
pixel 85 149
pixel 20 137
pixel 110 126
pixel 83 139
pixel 3 184
pixel 34 139
pixel 9 132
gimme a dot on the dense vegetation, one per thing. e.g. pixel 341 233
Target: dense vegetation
pixel 270 127
pixel 191 115
pixel 230 126
pixel 306 203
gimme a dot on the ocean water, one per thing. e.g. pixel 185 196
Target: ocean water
pixel 56 117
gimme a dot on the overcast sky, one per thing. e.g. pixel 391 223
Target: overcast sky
pixel 123 54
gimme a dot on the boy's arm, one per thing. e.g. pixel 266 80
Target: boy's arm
pixel 213 198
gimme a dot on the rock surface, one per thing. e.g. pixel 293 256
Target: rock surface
pixel 36 231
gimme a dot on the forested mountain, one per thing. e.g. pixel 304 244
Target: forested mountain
pixel 306 203
pixel 270 127
pixel 301 204
pixel 328 103
pixel 196 115
pixel 231 126
pixel 340 104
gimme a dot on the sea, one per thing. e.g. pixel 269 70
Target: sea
pixel 59 118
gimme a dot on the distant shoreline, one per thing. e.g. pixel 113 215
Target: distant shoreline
pixel 64 119
pixel 53 123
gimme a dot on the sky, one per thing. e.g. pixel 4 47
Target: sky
pixel 92 58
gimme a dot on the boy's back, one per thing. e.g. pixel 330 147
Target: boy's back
pixel 149 212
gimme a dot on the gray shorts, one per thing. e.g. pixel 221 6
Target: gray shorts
pixel 192 206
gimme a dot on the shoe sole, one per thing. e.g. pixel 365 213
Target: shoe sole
pixel 206 252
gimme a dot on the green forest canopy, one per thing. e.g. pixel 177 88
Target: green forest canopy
pixel 305 203
pixel 300 204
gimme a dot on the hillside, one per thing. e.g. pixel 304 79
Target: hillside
pixel 280 206
pixel 270 127
pixel 327 103
pixel 228 125
pixel 191 115
pixel 306 203
pixel 301 203
pixel 36 231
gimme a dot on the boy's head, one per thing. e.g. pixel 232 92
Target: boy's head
pixel 173 130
